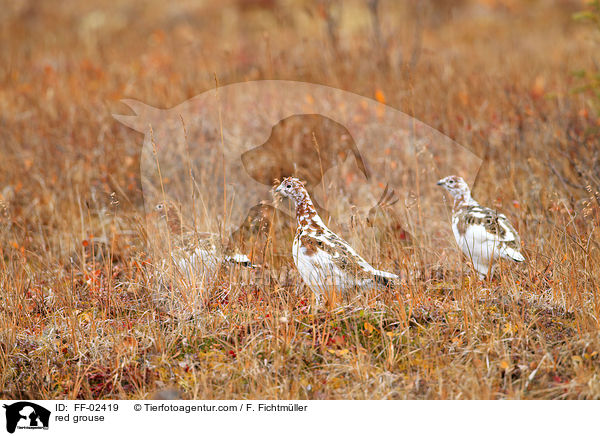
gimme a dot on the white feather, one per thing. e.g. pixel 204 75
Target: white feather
pixel 484 248
pixel 327 261
pixel 320 272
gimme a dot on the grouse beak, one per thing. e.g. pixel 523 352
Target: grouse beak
pixel 278 189
pixel 440 182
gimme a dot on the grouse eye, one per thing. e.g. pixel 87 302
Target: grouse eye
pixel 289 186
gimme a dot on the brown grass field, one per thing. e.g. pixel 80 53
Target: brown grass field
pixel 77 315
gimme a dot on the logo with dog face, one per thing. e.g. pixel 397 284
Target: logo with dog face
pixel 26 415
pixel 215 159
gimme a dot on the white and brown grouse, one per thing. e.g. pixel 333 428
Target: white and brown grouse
pixel 482 234
pixel 324 260
pixel 195 256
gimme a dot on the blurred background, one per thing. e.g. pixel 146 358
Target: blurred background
pixel 497 76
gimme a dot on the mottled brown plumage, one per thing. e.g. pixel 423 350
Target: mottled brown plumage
pixel 193 254
pixel 483 234
pixel 324 260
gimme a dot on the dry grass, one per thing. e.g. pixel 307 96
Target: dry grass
pixel 77 317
